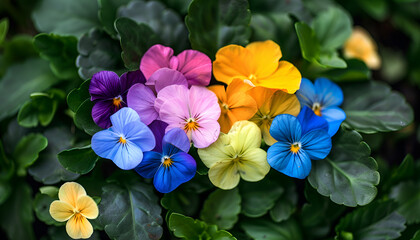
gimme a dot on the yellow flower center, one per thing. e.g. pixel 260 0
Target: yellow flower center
pixel 317 109
pixel 294 148
pixel 117 101
pixel 167 161
pixel 122 140
pixel 191 124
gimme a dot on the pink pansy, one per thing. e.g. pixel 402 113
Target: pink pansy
pixel 194 65
pixel 194 110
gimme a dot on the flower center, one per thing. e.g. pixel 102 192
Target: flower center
pixel 167 161
pixel 191 124
pixel 317 109
pixel 294 148
pixel 251 79
pixel 117 101
pixel 225 106
pixel 122 140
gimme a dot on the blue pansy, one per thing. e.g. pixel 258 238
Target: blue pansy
pixel 124 142
pixel 172 166
pixel 300 139
pixel 323 98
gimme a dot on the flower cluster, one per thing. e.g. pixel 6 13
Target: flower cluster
pixel 153 116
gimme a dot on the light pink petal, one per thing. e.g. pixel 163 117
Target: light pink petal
pixel 158 56
pixel 142 100
pixel 195 66
pixel 206 134
pixel 166 77
pixel 174 91
pixel 203 103
pixel 174 113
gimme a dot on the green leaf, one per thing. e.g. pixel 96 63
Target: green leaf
pixel 416 236
pixel 377 9
pixel 187 228
pixel 51 191
pixel 383 223
pixel 214 24
pixel 332 28
pixel 267 230
pixel 47 169
pixel 356 71
pixel 184 201
pixel 130 210
pixel 83 118
pixel 181 6
pixel 42 204
pixel 108 14
pixel 4 27
pixel 166 23
pixel 66 17
pixel 27 150
pixel 348 175
pixel 372 107
pixel 259 197
pixel 60 51
pixel 77 96
pixel 405 171
pixel 17 50
pixel 20 81
pixel 407 194
pixel 296 8
pixel 286 205
pixel 331 59
pixel 98 52
pixel 5 190
pixel 309 44
pixel 222 208
pixel 78 160
pixel 136 39
pixel 17 223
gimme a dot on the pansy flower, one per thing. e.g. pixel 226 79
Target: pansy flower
pixel 360 45
pixel 109 92
pixel 171 166
pixel 236 155
pixel 323 97
pixel 271 103
pixel 194 110
pixel 194 65
pixel 75 207
pixel 300 139
pixel 234 102
pixel 258 65
pixel 124 142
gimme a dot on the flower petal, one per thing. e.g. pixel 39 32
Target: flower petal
pixel 178 92
pixel 334 116
pixel 244 135
pixel 128 79
pixel 122 118
pixel 206 134
pixel 219 151
pixel 220 92
pixel 87 207
pixel 182 170
pixel 102 111
pixel 79 227
pixel 158 56
pixel 195 66
pixel 224 175
pixel 158 129
pixel 329 93
pixel 307 93
pixel 105 143
pixel 297 165
pixel 142 100
pixel 287 77
pixel 61 211
pixel 175 138
pixel 149 165
pixel 242 106
pixel 282 103
pixel 317 144
pixel 261 95
pixel 203 104
pixel 104 85
pixel 226 120
pixel 265 130
pixel 310 121
pixel 174 113
pixel 165 77
pixel 266 56
pixel 69 192
pixel 253 165
pixel 127 156
pixel 286 128
pixel 140 135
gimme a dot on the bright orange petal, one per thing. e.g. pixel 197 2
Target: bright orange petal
pixel 260 95
pixel 266 57
pixel 79 227
pixel 237 86
pixel 70 191
pixel 242 106
pixel 61 211
pixel 220 92
pixel 286 77
pixel 87 207
pixel 232 61
pixel 226 121
pixel 283 103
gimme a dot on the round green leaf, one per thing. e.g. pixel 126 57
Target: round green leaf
pixel 27 150
pixel 286 205
pixel 407 194
pixel 78 160
pixel 108 14
pixel 77 96
pixel 356 71
pixel 83 118
pixel 182 201
pixel 348 175
pixel 42 204
pixel 267 230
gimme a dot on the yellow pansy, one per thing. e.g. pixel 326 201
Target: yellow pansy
pixel 236 155
pixel 270 104
pixel 360 45
pixel 74 207
pixel 258 65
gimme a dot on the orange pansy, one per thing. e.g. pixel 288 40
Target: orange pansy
pixel 360 45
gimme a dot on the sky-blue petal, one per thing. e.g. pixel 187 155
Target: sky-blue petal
pixel 123 117
pixel 285 128
pixel 105 143
pixel 329 93
pixel 306 93
pixel 310 121
pixel 128 156
pixel 175 140
pixel 140 135
pixel 182 170
pixel 317 144
pixel 334 116
pixel 149 165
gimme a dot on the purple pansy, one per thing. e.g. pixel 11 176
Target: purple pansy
pixel 109 92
